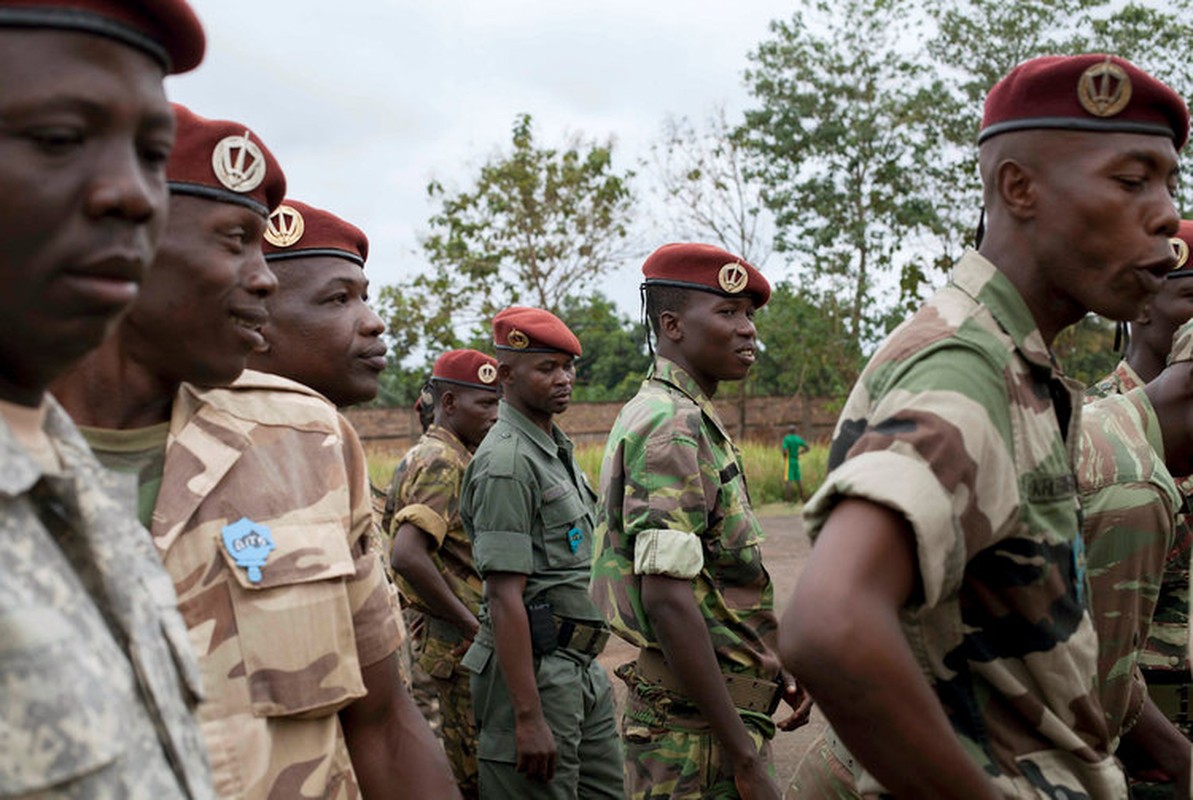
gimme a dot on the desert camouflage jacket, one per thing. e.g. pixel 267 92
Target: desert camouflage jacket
pixel 425 492
pixel 97 677
pixel 262 522
pixel 962 423
pixel 1168 640
pixel 1130 502
pixel 674 502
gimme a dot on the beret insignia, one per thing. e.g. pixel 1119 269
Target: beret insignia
pixel 1181 248
pixel 285 226
pixel 733 278
pixel 486 373
pixel 1104 89
pixel 518 340
pixel 239 163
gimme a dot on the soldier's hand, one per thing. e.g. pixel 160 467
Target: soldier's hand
pixel 753 782
pixel 798 699
pixel 536 747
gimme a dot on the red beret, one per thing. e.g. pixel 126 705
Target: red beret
pixel 297 230
pixel 706 268
pixel 467 368
pixel 1094 92
pixel 533 330
pixel 225 161
pixel 167 30
pixel 1182 243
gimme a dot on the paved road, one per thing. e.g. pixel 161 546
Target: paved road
pixel 785 551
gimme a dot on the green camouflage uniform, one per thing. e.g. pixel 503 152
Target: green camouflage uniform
pixel 675 503
pixel 961 423
pixel 280 652
pixel 97 677
pixel 1130 502
pixel 528 509
pixel 425 492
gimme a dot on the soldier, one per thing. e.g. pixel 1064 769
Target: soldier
pixel 97 680
pixel 431 553
pixel 943 601
pixel 1129 444
pixel 256 497
pixel 543 705
pixel 678 564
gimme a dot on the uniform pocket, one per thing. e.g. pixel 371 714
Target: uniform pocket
pixel 295 623
pixel 567 527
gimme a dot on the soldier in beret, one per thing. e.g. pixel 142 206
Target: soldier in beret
pixel 944 601
pixel 256 496
pixel 678 569
pixel 431 553
pixel 97 680
pixel 543 704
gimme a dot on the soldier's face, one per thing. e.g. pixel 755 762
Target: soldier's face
pixel 718 337
pixel 85 131
pixel 472 412
pixel 321 330
pixel 1104 216
pixel 539 383
pixel 202 307
pixel 1167 311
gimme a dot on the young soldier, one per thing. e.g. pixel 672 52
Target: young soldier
pixel 431 553
pixel 257 500
pixel 943 601
pixel 678 566
pixel 97 680
pixel 543 705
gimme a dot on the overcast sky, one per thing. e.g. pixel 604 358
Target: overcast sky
pixel 364 101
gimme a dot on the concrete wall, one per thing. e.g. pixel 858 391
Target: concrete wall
pixel 394 430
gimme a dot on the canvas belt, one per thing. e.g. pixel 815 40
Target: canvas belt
pixel 583 637
pixel 749 694
pixel 841 752
pixel 1170 690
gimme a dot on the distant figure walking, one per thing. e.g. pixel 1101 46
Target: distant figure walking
pixel 793 448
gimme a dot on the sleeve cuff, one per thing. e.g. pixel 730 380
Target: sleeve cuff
pixel 503 551
pixel 423 517
pixel 908 486
pixel 662 551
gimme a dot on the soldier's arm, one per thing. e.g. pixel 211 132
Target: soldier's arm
pixel 683 636
pixel 411 558
pixel 1155 736
pixel 841 637
pixel 389 741
pixel 511 641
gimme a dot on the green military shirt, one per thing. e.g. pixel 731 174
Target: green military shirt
pixel 528 509
pixel 425 492
pixel 675 503
pixel 1130 502
pixel 962 424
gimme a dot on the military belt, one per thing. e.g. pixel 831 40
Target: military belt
pixel 583 637
pixel 748 694
pixel 1170 690
pixel 443 630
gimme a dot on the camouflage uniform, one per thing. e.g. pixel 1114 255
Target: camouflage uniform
pixel 1164 659
pixel 1130 502
pixel 426 492
pixel 524 501
pixel 961 423
pixel 281 655
pixel 97 677
pixel 675 503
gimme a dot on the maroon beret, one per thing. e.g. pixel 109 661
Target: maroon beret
pixel 706 268
pixel 467 368
pixel 533 330
pixel 298 230
pixel 1094 92
pixel 225 161
pixel 167 30
pixel 1182 244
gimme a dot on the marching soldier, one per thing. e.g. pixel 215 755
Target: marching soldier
pixel 256 496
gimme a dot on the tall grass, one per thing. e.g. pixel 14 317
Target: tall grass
pixel 766 468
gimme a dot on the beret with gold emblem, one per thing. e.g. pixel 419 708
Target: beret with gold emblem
pixel 1093 92
pixel 225 161
pixel 298 230
pixel 166 30
pixel 706 268
pixel 533 330
pixel 1182 245
pixel 467 368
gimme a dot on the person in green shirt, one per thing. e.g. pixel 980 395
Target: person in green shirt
pixel 793 448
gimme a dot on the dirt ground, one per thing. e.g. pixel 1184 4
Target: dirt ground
pixel 784 551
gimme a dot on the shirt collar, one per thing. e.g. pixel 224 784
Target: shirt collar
pixel 447 437
pixel 521 423
pixel 982 281
pixel 667 371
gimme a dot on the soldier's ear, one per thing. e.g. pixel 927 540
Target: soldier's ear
pixel 503 372
pixel 1016 187
pixel 671 326
pixel 447 401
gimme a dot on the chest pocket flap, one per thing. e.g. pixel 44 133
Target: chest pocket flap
pixel 567 526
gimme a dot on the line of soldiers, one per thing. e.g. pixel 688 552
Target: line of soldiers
pixel 194 602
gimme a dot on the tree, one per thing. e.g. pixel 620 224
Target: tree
pixel 615 359
pixel 838 149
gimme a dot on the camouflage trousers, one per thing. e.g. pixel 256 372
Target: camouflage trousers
pixel 672 753
pixel 458 727
pixel 822 775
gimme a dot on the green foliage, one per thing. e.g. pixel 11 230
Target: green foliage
pixel 1086 350
pixel 615 358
